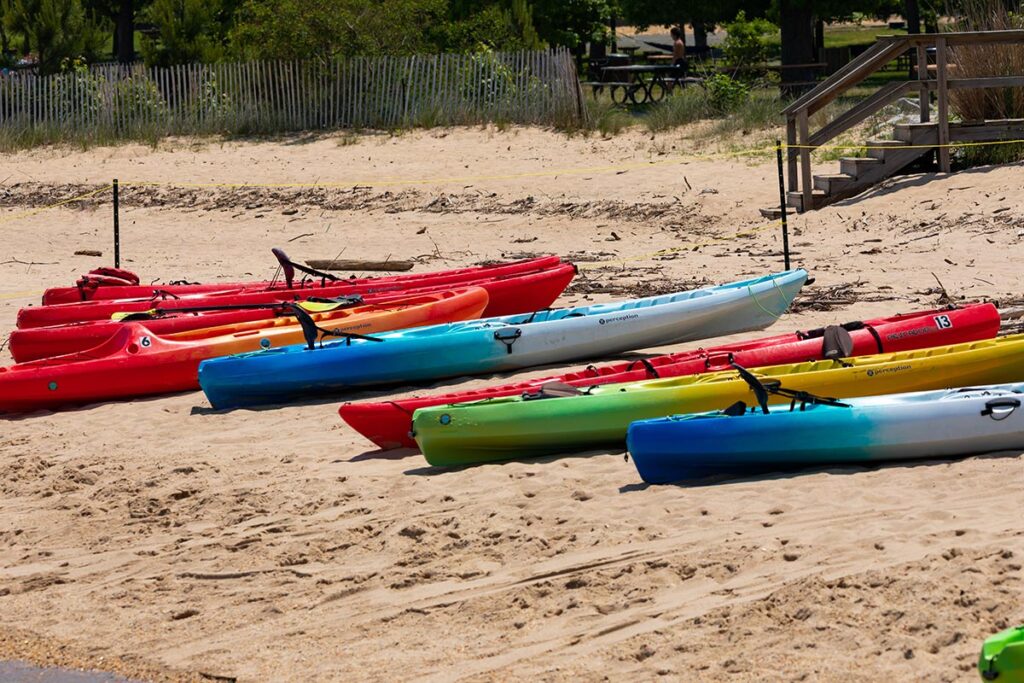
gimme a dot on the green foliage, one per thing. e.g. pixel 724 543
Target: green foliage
pixel 725 93
pixel 748 41
pixel 758 111
pixel 572 23
pixel 54 29
pixel 289 29
pixel 186 30
pixel 684 106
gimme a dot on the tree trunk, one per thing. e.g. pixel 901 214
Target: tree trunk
pixel 700 39
pixel 700 35
pixel 797 24
pixel 124 38
pixel 913 17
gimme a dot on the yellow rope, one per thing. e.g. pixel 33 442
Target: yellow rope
pixel 688 246
pixel 19 295
pixel 33 212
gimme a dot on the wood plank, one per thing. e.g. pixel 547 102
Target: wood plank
pixel 861 111
pixel 791 154
pixel 987 82
pixel 359 265
pixel 805 161
pixel 941 56
pixel 923 93
pixel 990 131
pixel 837 77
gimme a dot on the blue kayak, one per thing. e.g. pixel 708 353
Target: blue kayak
pixel 924 424
pixel 498 344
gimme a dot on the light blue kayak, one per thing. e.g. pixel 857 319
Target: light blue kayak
pixel 924 424
pixel 278 375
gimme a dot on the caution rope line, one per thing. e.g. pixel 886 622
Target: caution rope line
pixel 63 202
pixel 19 295
pixel 611 168
pixel 688 246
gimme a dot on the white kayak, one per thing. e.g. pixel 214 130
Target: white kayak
pixel 498 344
pixel 908 426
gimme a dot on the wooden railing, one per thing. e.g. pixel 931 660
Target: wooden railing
pixel 802 141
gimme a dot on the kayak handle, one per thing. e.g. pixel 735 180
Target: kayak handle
pixel 1000 408
pixel 508 336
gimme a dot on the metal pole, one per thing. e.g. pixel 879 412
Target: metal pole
pixel 782 203
pixel 117 229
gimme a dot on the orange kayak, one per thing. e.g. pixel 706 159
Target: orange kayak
pixel 136 362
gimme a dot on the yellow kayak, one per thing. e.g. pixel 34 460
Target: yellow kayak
pixel 517 427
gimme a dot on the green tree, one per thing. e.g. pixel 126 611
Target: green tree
pixel 56 30
pixel 290 29
pixel 746 40
pixel 186 32
pixel 572 23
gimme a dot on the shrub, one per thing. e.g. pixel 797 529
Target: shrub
pixel 973 61
pixel 725 93
pixel 685 106
pixel 748 41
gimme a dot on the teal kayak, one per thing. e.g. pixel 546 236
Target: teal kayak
pixel 891 427
pixel 546 423
pixel 282 374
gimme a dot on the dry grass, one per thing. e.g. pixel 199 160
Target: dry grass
pixel 973 61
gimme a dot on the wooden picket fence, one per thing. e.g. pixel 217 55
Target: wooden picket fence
pixel 114 100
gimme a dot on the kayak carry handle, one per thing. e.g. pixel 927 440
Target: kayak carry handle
pixel 1000 408
pixel 508 337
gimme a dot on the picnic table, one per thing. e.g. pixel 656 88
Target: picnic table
pixel 641 83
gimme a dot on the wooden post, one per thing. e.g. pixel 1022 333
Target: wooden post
pixel 117 228
pixel 922 75
pixel 791 153
pixel 940 68
pixel 806 184
pixel 782 205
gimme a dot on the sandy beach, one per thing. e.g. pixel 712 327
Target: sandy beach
pixel 166 541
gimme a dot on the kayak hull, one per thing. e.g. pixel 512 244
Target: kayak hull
pixel 136 362
pixel 509 294
pixel 1002 657
pixel 105 292
pixel 387 423
pixel 505 428
pixel 500 344
pixel 908 426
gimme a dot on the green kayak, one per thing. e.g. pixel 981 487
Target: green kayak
pixel 527 426
pixel 1002 657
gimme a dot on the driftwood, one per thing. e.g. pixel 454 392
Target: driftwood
pixel 349 264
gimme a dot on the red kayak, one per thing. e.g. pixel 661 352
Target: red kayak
pixel 104 284
pixel 386 423
pixel 136 362
pixel 509 294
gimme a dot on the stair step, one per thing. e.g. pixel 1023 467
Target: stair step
pixel 855 166
pixel 876 148
pixel 796 199
pixel 833 183
pixel 915 133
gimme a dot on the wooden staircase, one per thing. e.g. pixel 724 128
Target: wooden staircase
pixel 912 141
pixel 885 158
